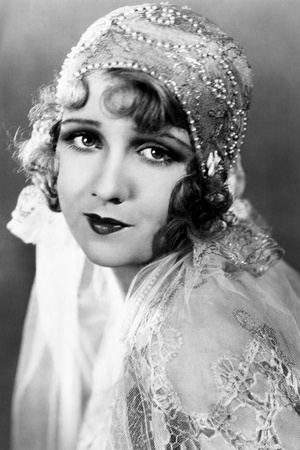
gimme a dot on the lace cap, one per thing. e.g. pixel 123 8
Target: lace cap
pixel 200 65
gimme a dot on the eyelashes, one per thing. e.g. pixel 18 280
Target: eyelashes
pixel 89 141
pixel 81 141
pixel 157 154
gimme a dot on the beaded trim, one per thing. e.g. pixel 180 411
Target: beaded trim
pixel 183 39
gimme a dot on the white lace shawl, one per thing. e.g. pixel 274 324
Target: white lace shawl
pixel 210 361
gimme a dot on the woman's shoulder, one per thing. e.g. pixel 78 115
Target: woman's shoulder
pixel 228 307
pixel 234 367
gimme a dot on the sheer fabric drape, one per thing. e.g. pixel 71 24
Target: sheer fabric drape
pixel 71 304
pixel 212 363
pixel 202 354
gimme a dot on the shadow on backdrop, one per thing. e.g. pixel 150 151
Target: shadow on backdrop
pixel 35 37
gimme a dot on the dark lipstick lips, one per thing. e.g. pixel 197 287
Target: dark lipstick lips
pixel 105 225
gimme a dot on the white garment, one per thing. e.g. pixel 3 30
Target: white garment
pixel 204 354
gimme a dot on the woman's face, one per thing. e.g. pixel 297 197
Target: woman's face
pixel 114 182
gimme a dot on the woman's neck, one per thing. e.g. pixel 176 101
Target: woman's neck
pixel 124 276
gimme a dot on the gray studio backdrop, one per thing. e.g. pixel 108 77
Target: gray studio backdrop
pixel 35 37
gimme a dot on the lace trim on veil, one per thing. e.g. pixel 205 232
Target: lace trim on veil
pixel 245 245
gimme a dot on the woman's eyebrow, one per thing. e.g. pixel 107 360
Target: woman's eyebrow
pixel 162 135
pixel 82 122
pixel 171 136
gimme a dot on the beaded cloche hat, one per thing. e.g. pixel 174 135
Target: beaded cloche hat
pixel 200 65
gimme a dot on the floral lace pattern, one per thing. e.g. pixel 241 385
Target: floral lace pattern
pixel 255 388
pixel 245 246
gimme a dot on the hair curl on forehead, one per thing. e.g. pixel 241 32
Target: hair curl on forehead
pixel 132 94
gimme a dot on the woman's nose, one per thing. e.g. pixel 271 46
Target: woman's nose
pixel 109 183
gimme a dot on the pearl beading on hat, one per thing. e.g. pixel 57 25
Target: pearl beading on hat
pixel 166 17
pixel 166 81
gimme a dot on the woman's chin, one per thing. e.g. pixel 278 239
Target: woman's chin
pixel 117 259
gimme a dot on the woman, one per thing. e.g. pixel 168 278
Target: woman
pixel 138 145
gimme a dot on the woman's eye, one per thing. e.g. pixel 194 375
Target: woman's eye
pixel 81 140
pixel 85 141
pixel 155 153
